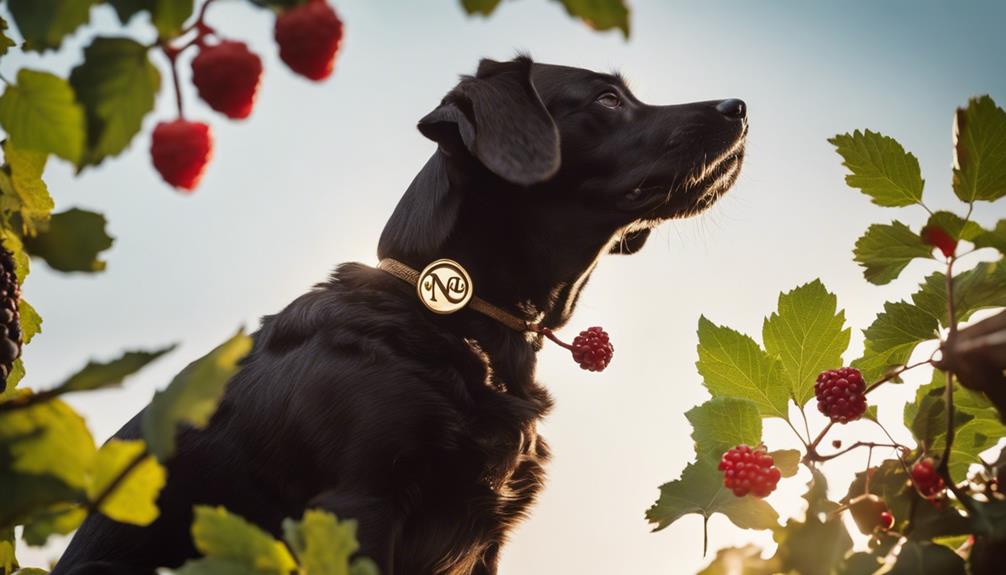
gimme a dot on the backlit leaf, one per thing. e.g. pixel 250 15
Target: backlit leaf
pixel 483 7
pixel 787 460
pixel 981 287
pixel 893 336
pixel 993 239
pixel 31 322
pixel 44 23
pixel 47 438
pixel 133 499
pixel 32 196
pixel 956 227
pixel 808 335
pixel 881 168
pixel 885 249
pixel 72 241
pixel 922 557
pixel 600 14
pixel 96 375
pixel 59 519
pixel 979 141
pixel 222 535
pixel 322 543
pixel 732 365
pixel 723 423
pixel 40 113
pixel 169 15
pixel 5 41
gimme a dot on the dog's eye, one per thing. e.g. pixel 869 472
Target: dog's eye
pixel 609 100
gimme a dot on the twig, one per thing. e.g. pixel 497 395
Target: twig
pixel 898 372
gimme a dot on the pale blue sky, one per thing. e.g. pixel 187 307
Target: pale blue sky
pixel 308 181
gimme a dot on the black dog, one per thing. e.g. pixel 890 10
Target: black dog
pixel 359 400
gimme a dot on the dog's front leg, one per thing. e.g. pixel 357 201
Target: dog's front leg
pixel 377 524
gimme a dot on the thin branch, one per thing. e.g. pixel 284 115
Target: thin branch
pixel 897 372
pixel 857 445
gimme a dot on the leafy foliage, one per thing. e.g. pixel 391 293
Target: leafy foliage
pixel 881 168
pixel 598 14
pixel 40 113
pixel 979 164
pixel 885 250
pixel 71 241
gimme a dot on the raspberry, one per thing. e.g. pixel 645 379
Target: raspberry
pixel 308 38
pixel 926 479
pixel 841 394
pixel 592 349
pixel 747 470
pixel 227 77
pixel 10 318
pixel 938 238
pixel 180 151
pixel 870 513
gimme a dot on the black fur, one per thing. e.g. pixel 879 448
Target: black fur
pixel 357 400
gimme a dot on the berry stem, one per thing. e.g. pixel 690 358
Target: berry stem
pixel 872 445
pixel 173 59
pixel 551 335
pixel 890 376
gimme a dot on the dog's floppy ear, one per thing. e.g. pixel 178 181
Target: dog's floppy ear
pixel 499 118
pixel 631 242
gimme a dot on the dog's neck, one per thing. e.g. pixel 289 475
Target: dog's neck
pixel 517 257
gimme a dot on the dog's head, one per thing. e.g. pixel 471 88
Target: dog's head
pixel 551 166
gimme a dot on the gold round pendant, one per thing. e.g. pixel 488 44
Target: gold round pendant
pixel 444 286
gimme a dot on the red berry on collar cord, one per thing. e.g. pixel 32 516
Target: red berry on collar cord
pixel 591 349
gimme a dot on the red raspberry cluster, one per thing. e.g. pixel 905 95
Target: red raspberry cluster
pixel 747 470
pixel 592 349
pixel 926 479
pixel 227 76
pixel 841 394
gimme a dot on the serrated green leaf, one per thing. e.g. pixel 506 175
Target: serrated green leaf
pixel 8 559
pixel 956 227
pixel 44 23
pixel 723 423
pixel 47 438
pixel 31 194
pixel 979 141
pixel 923 557
pixel 40 113
pixel 22 495
pixel 893 336
pixel 116 85
pixel 216 566
pixel 600 14
pixel 13 378
pixel 193 394
pixel 59 519
pixel 880 168
pixel 169 16
pixel 885 249
pixel 981 287
pixel 323 544
pixel 222 535
pixel 31 322
pixel 993 238
pixel 483 7
pixel 978 432
pixel 808 335
pixel 787 460
pixel 745 560
pixel 5 41
pixel 700 490
pixel 72 241
pixel 97 375
pixel 733 365
pixel 133 499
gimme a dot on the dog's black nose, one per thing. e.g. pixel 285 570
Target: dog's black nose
pixel 733 108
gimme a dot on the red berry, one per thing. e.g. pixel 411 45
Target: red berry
pixel 227 76
pixel 308 37
pixel 886 520
pixel 841 394
pixel 938 238
pixel 592 349
pixel 926 479
pixel 747 470
pixel 870 513
pixel 180 151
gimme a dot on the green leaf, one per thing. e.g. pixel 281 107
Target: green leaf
pixel 600 14
pixel 5 41
pixel 23 495
pixel 993 239
pixel 133 499
pixel 745 560
pixel 8 559
pixel 116 85
pixel 322 543
pixel 893 336
pixel 700 490
pixel 222 535
pixel 31 196
pixel 808 336
pixel 40 114
pixel 216 566
pixel 978 432
pixel 981 287
pixel 787 460
pixel 483 7
pixel 884 250
pixel 816 545
pixel 44 23
pixel 723 423
pixel 193 394
pixel 126 9
pixel 97 375
pixel 979 141
pixel 72 241
pixel 881 168
pixel 956 227
pixel 169 16
pixel 59 519
pixel 31 322
pixel 924 557
pixel 47 438
pixel 732 365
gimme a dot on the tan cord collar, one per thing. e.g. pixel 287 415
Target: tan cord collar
pixel 445 287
